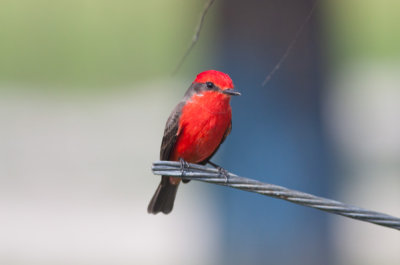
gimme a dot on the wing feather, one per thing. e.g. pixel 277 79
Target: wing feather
pixel 171 132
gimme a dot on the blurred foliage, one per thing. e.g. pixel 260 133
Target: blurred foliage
pixel 92 43
pixel 364 29
pixel 102 44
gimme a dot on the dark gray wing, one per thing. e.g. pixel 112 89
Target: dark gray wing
pixel 170 132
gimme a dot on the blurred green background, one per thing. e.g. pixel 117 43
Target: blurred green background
pixel 94 44
pixel 363 30
pixel 98 44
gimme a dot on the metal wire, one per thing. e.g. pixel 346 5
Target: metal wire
pixel 212 175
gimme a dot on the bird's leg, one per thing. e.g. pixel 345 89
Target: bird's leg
pixel 184 166
pixel 221 171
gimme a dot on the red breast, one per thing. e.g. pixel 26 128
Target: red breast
pixel 202 125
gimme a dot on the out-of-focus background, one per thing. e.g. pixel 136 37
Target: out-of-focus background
pixel 86 88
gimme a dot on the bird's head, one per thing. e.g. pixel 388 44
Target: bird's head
pixel 213 80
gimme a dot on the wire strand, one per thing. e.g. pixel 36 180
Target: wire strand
pixel 291 45
pixel 196 35
pixel 212 175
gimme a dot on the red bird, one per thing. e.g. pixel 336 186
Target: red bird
pixel 194 131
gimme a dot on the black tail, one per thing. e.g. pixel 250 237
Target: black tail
pixel 164 197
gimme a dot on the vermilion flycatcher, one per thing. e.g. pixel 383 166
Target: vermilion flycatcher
pixel 194 131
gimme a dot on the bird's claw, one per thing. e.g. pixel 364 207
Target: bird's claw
pixel 224 173
pixel 184 166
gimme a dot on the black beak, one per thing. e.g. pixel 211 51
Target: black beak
pixel 231 92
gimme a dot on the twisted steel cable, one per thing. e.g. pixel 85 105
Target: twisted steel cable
pixel 212 175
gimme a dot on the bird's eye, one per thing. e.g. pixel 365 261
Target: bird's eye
pixel 210 84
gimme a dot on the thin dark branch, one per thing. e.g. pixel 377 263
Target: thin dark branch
pixel 195 36
pixel 291 45
pixel 212 175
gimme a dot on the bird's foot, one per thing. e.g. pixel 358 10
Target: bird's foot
pixel 184 167
pixel 224 173
pixel 221 171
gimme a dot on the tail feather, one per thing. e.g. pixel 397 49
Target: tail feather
pixel 164 197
